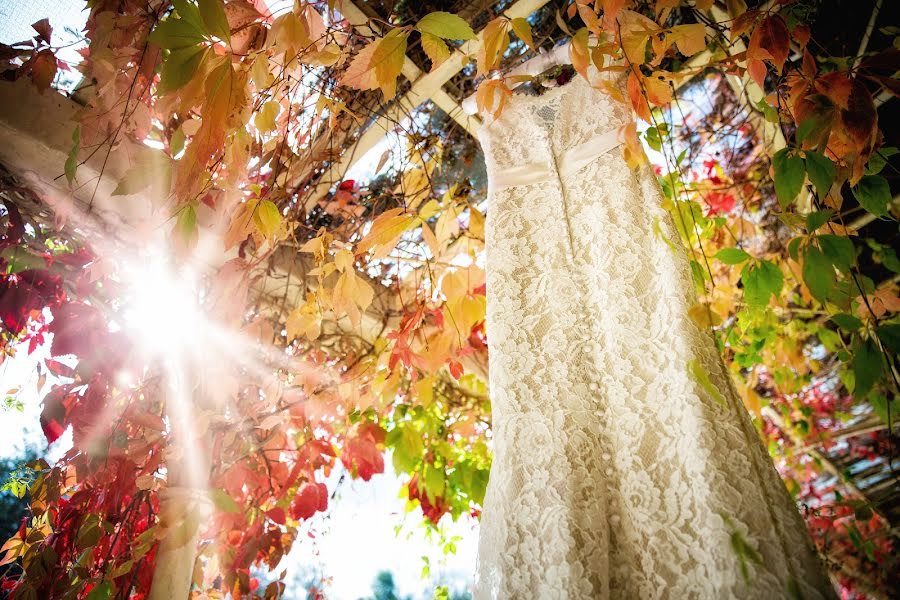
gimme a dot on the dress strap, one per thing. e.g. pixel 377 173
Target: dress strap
pixel 569 162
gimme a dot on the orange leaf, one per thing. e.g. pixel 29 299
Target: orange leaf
pixel 494 41
pixel 770 40
pixel 638 102
pixel 578 51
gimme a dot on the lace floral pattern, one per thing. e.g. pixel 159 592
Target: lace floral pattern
pixel 615 474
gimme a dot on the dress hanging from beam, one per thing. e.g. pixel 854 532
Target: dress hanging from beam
pixel 615 473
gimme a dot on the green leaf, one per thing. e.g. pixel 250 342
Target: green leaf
pixel 793 247
pixel 846 321
pixel 866 366
pixel 433 482
pixel 789 173
pixel 873 194
pixel 407 447
pixel 838 249
pixel 179 67
pixel 267 218
pixel 817 273
pixel 879 159
pixel 101 591
pixel 761 280
pixel 213 14
pixel 889 335
pixel 702 377
pixel 175 33
pixel 732 256
pixel 223 501
pixel 889 259
pixel 72 159
pixel 821 172
pixel 880 407
pixel 190 13
pixel 445 25
pixel 816 219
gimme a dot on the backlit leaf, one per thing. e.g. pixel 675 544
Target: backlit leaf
pixel 522 28
pixel 445 25
pixel 388 61
pixel 213 14
pixel 732 256
pixel 761 280
pixel 267 218
pixel 436 50
pixel 179 67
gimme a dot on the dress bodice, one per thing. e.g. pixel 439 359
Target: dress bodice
pixel 537 129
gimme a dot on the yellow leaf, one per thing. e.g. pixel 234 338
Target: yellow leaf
pixel 578 51
pixel 388 61
pixel 445 25
pixel 659 92
pixel 435 49
pixel 267 218
pixel 290 34
pixel 690 39
pixel 265 118
pixel 522 29
pixel 635 30
pixel 343 260
pixel 494 41
pixel 386 229
pixel 305 320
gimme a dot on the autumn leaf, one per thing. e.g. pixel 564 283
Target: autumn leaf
pixel 769 41
pixel 436 50
pixel 265 118
pixel 690 39
pixel 388 61
pixel 445 25
pixel 267 218
pixel 522 28
pixel 494 41
pixel 578 51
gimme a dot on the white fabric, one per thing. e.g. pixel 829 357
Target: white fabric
pixel 614 474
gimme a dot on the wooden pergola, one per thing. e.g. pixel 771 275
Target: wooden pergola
pixel 35 138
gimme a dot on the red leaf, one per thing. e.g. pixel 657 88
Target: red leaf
pixel 43 28
pixel 77 329
pixel 456 369
pixel 27 291
pixel 277 515
pixel 361 452
pixel 311 497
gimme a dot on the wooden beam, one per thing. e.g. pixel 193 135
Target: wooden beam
pixel 360 21
pixel 423 88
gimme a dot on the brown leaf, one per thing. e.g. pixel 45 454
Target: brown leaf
pixel 770 41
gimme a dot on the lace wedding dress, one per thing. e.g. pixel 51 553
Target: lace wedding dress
pixel 615 474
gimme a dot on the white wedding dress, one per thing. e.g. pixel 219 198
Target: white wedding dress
pixel 615 474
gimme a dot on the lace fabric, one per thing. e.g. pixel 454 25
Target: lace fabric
pixel 615 474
